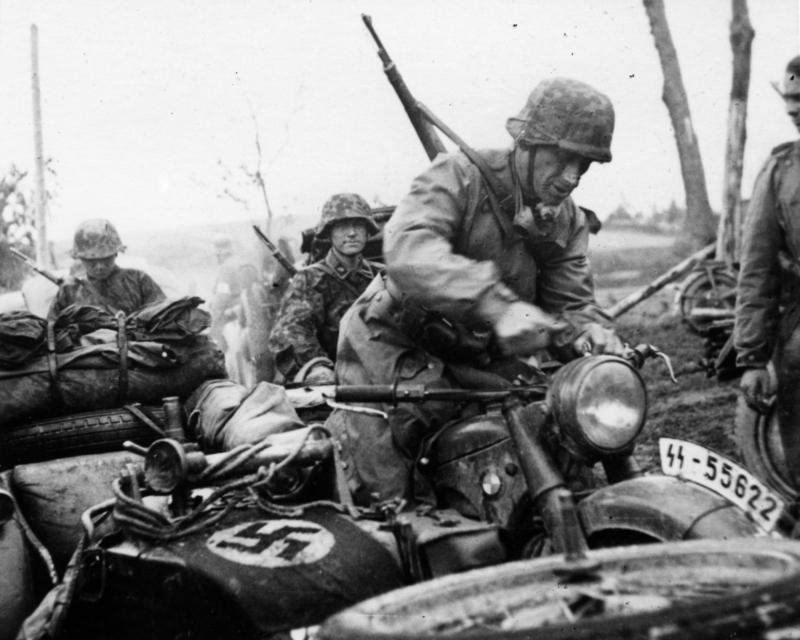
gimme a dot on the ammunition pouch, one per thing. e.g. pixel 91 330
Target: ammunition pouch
pixel 454 342
pixel 451 341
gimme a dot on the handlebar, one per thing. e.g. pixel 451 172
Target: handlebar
pixel 387 393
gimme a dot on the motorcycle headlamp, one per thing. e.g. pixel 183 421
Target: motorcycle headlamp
pixel 599 403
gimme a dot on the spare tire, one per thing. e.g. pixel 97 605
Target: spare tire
pixel 74 435
pixel 695 589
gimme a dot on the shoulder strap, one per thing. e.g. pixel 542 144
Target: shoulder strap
pixel 499 198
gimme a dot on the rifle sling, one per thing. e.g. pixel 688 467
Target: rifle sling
pixel 499 198
pixel 122 344
pixel 52 364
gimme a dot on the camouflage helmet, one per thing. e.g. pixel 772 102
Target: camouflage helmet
pixel 569 114
pixel 96 238
pixel 345 206
pixel 791 79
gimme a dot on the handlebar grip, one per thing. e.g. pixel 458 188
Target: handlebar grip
pixel 365 393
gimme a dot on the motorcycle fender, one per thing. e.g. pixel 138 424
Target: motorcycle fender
pixel 664 508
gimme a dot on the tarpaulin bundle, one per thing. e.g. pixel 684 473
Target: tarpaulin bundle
pixel 169 320
pixel 23 336
pixel 224 415
pixel 103 376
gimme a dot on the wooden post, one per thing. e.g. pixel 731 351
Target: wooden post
pixel 43 256
pixel 741 38
pixel 645 292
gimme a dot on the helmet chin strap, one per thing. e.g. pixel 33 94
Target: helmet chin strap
pixel 531 151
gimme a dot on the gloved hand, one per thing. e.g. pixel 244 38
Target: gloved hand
pixel 595 339
pixel 755 388
pixel 523 329
pixel 320 374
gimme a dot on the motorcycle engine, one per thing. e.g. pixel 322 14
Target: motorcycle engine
pixel 475 469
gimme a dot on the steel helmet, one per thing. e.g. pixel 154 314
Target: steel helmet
pixel 96 238
pixel 569 114
pixel 791 79
pixel 345 206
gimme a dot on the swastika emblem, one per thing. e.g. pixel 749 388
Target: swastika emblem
pixel 272 543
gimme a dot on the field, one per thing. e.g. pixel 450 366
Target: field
pixel 697 408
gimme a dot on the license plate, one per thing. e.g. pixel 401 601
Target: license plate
pixel 705 467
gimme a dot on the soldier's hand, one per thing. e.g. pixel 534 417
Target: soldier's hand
pixel 595 339
pixel 320 374
pixel 755 388
pixel 524 329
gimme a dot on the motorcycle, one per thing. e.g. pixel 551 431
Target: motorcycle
pixel 265 538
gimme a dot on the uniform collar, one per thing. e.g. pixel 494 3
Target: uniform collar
pixel 362 268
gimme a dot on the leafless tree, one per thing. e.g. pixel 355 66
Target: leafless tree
pixel 699 218
pixel 741 38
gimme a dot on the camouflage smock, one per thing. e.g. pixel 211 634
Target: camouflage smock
pixel 772 227
pixel 307 324
pixel 446 251
pixel 124 290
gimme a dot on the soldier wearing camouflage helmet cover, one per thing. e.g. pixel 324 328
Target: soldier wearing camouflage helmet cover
pixel 768 293
pixel 104 284
pixel 307 329
pixel 486 261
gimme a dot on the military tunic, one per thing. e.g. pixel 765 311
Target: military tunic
pixel 307 324
pixel 768 293
pixel 447 252
pixel 125 290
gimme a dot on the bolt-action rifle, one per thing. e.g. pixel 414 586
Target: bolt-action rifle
pixel 427 134
pixel 425 123
pixel 40 270
pixel 276 253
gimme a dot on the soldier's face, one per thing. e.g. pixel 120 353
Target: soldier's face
pixel 792 103
pixel 549 173
pixel 99 268
pixel 349 237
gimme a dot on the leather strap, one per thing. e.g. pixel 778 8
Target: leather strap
pixel 147 418
pixel 122 345
pixel 52 363
pixel 499 198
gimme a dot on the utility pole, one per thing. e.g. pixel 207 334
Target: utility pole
pixel 43 256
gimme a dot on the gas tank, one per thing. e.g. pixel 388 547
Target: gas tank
pixel 248 576
pixel 475 469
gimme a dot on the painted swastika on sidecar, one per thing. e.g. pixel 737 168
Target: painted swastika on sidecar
pixel 272 543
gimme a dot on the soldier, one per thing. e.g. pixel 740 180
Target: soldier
pixel 96 245
pixel 486 261
pixel 307 329
pixel 769 278
pixel 234 276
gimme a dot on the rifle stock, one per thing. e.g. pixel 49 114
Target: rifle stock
pixel 427 134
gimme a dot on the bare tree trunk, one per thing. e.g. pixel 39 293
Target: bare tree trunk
pixel 40 204
pixel 741 37
pixel 699 219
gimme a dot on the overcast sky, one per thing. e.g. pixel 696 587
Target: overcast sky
pixel 147 103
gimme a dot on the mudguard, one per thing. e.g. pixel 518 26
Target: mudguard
pixel 664 508
pixel 247 576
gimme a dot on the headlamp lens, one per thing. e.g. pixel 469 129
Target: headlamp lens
pixel 610 405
